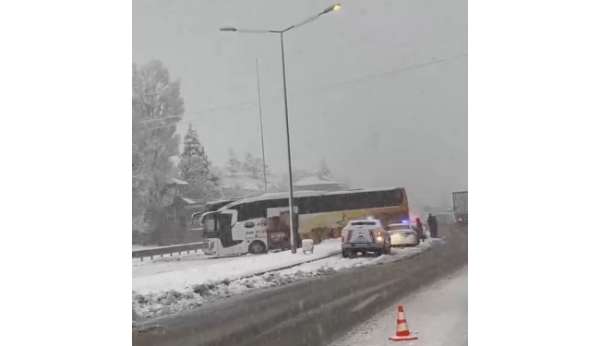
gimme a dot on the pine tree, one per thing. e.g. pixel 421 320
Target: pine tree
pixel 194 168
pixel 252 166
pixel 193 164
pixel 234 166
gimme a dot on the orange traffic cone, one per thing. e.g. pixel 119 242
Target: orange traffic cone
pixel 402 332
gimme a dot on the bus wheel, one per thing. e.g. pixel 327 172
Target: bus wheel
pixel 257 247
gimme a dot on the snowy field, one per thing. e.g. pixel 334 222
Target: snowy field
pixel 170 285
pixel 436 314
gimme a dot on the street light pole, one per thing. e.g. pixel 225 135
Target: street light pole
pixel 293 240
pixel 331 8
pixel 262 140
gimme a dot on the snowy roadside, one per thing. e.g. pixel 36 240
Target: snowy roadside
pixel 135 247
pixel 181 273
pixel 204 282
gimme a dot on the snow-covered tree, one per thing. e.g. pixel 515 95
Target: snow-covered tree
pixel 156 108
pixel 234 165
pixel 195 169
pixel 252 166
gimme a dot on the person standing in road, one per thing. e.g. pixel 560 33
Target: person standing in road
pixel 432 223
pixel 420 232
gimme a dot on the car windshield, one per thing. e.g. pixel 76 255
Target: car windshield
pixel 363 223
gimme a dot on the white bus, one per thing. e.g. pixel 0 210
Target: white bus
pixel 257 224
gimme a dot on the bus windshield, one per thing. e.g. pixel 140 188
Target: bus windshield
pixel 209 223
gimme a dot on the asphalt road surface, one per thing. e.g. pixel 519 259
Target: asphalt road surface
pixel 309 312
pixel 436 314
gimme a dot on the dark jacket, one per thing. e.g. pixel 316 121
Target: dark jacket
pixel 432 223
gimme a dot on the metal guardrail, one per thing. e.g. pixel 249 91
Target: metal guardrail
pixel 169 250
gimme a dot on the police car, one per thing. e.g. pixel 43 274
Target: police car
pixel 401 234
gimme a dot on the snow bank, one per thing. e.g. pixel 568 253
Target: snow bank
pixel 157 303
pixel 180 273
pixel 338 263
pixel 142 247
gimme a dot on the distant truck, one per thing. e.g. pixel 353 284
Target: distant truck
pixel 460 204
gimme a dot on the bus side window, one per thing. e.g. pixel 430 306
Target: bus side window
pixel 330 203
pixel 394 197
pixel 357 201
pixel 260 209
pixel 354 201
pixel 400 196
pixel 309 205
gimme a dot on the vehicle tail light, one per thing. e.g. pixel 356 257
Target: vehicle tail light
pixel 377 236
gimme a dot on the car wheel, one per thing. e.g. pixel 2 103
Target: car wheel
pixel 345 253
pixel 257 247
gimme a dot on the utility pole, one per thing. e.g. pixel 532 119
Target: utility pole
pixel 262 139
pixel 289 152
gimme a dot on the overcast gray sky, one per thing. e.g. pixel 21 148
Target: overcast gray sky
pixel 378 89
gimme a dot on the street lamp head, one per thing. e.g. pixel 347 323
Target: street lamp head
pixel 335 7
pixel 228 28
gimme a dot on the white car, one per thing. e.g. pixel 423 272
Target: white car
pixel 401 234
pixel 365 235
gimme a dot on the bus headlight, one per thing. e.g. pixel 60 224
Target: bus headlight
pixel 379 239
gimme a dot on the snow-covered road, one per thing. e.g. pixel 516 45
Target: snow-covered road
pixel 437 314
